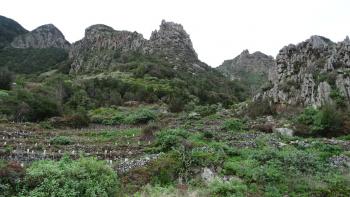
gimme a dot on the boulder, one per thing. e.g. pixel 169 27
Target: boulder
pixel 284 131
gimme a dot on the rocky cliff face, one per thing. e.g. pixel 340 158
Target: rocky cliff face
pixel 102 46
pixel 105 48
pixel 251 69
pixel 9 29
pixel 45 36
pixel 172 42
pixel 314 72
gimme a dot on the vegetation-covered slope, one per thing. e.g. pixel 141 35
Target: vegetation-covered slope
pixel 9 29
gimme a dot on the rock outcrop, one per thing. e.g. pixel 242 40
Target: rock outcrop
pixel 172 42
pixel 106 48
pixel 252 68
pixel 314 72
pixel 45 36
pixel 9 29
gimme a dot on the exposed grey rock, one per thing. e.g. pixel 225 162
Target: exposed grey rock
pixel 173 42
pixel 106 48
pixel 100 47
pixel 307 73
pixel 127 164
pixel 45 36
pixel 284 131
pixel 207 175
pixel 340 161
pixel 252 68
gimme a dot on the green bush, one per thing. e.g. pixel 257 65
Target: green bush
pixel 61 140
pixel 11 175
pixel 77 120
pixel 338 98
pixel 228 188
pixel 176 104
pixel 165 169
pixel 114 116
pixel 141 116
pixel 6 78
pixel 235 125
pixel 103 114
pixel 83 177
pixel 206 110
pixel 171 138
pixel 325 121
pixel 23 105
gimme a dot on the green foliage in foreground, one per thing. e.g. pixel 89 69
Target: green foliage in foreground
pixel 83 177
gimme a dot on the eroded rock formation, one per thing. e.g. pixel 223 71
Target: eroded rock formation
pixel 313 72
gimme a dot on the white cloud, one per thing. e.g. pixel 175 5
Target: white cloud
pixel 219 29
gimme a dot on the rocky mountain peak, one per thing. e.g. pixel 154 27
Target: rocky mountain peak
pixel 169 29
pixel 319 42
pixel 45 36
pixel 173 42
pixel 251 69
pixel 244 53
pixel 97 29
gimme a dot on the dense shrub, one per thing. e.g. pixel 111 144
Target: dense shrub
pixel 148 132
pixel 338 98
pixel 22 105
pixel 32 60
pixel 325 121
pixel 105 115
pixel 141 116
pixel 83 177
pixel 6 78
pixel 168 139
pixel 228 188
pixel 165 169
pixel 61 140
pixel 114 116
pixel 235 125
pixel 206 110
pixel 77 120
pixel 176 103
pixel 11 174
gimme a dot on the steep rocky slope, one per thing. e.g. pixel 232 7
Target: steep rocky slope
pixel 251 69
pixel 313 72
pixel 45 36
pixel 9 29
pixel 105 48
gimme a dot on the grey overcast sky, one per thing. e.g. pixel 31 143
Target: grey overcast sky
pixel 219 29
